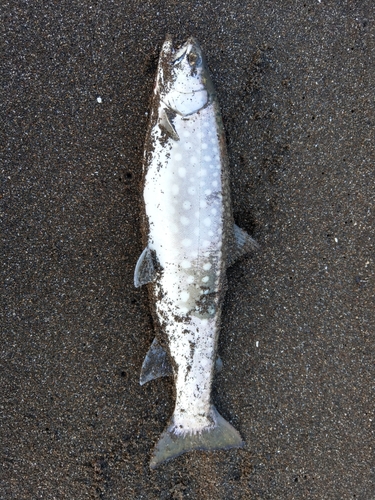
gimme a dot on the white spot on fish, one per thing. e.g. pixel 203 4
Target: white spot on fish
pixel 202 173
pixel 214 183
pixel 203 204
pixel 186 242
pixel 184 221
pixel 208 192
pixel 192 190
pixel 185 296
pixel 175 189
pixel 193 160
pixel 186 204
pixel 178 156
pixel 174 228
pixel 186 133
pixel 184 310
pixel 204 146
pixel 194 254
pixel 190 280
pixel 207 158
pixel 186 264
pixel 205 279
pixel 188 145
pixel 207 221
pixel 196 231
pixel 205 243
pixel 182 172
pixel 207 266
pixel 214 211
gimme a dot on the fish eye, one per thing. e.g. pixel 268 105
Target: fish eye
pixel 193 58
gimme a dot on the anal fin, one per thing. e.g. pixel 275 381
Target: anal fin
pixel 156 363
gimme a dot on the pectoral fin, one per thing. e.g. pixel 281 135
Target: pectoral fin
pixel 156 363
pixel 241 244
pixel 145 270
pixel 166 123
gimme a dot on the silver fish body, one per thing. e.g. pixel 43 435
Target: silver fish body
pixel 191 240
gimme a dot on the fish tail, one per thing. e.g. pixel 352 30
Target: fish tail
pixel 221 436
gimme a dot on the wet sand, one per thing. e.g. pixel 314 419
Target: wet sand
pixel 296 86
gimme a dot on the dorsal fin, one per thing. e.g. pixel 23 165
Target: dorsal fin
pixel 240 245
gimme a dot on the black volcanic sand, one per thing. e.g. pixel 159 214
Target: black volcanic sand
pixel 296 84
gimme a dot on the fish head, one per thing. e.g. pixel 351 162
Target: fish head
pixel 184 82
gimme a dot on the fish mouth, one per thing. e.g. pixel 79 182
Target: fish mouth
pixel 183 71
pixel 190 50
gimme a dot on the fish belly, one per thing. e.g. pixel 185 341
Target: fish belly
pixel 184 206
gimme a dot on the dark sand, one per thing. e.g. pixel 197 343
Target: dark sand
pixel 296 84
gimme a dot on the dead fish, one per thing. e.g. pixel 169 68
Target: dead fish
pixel 191 239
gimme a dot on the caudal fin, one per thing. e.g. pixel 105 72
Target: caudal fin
pixel 221 436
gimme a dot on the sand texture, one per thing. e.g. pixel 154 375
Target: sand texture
pixel 296 85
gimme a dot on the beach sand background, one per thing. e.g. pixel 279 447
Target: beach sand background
pixel 296 83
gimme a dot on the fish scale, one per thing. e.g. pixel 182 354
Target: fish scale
pixel 190 241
